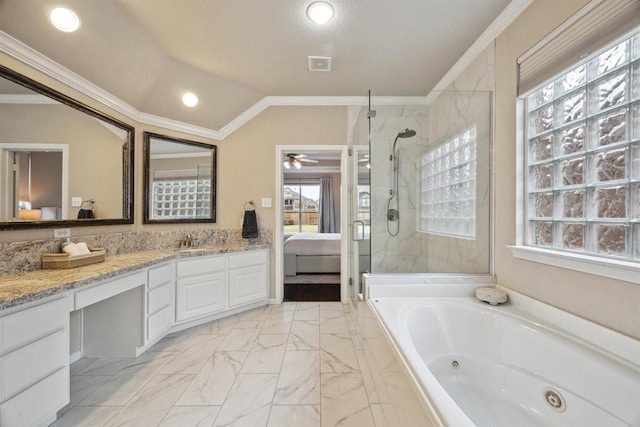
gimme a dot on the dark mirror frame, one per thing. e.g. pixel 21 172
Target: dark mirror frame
pixel 147 136
pixel 127 160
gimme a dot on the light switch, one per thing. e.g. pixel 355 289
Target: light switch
pixel 266 202
pixel 76 202
pixel 60 233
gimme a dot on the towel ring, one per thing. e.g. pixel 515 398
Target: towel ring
pixel 90 204
pixel 251 205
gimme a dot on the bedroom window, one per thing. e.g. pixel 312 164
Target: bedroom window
pixel 448 187
pixel 583 156
pixel 301 204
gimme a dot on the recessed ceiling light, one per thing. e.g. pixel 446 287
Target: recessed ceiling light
pixel 320 12
pixel 64 19
pixel 190 99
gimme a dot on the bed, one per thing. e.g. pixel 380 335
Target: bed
pixel 306 253
pixel 312 253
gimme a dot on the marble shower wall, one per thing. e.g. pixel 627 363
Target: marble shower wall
pixel 436 118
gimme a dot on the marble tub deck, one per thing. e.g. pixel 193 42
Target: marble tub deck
pixel 295 364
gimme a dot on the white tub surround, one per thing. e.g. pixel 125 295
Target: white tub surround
pixel 521 363
pixel 424 285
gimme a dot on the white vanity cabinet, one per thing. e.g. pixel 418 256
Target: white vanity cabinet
pixel 216 284
pixel 34 363
pixel 159 312
pixel 248 277
pixel 201 285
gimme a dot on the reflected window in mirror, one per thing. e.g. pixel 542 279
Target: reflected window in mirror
pixel 179 180
pixel 55 151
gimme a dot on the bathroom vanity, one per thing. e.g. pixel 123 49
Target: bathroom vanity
pixel 118 308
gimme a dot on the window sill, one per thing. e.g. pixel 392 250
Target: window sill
pixel 614 269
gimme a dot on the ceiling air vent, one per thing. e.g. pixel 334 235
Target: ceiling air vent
pixel 319 63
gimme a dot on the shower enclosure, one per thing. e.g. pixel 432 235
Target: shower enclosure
pixel 428 182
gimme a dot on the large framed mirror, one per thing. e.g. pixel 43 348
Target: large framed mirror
pixel 62 163
pixel 179 180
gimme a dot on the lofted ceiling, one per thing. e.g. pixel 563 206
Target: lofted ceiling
pixel 233 53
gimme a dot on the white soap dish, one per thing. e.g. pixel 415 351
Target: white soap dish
pixel 491 295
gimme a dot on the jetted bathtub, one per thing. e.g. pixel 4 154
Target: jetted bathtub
pixel 510 365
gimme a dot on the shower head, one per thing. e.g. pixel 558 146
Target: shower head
pixel 407 133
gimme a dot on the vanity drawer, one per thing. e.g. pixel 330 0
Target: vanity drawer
pixel 30 364
pixel 35 405
pixel 202 265
pixel 246 259
pixel 20 328
pixel 160 275
pixel 159 322
pixel 108 289
pixel 159 297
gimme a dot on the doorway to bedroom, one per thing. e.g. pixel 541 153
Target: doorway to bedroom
pixel 311 217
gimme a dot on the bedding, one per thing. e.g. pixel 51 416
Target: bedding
pixel 312 253
pixel 317 253
pixel 313 244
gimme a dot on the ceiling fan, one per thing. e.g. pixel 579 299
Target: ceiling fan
pixel 295 159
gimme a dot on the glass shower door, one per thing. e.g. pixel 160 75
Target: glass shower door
pixel 430 182
pixel 359 203
pixel 361 219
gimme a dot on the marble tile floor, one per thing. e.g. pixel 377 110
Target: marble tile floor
pixel 295 364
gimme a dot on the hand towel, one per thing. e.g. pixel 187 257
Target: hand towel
pixel 72 249
pixel 84 249
pixel 249 225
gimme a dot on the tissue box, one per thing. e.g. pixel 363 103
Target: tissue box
pixel 62 260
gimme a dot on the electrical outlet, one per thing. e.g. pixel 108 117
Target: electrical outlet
pixel 76 202
pixel 61 233
pixel 266 202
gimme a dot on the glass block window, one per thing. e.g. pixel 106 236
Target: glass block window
pixel 583 159
pixel 448 187
pixel 181 198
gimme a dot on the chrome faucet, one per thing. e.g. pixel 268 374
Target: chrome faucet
pixel 187 241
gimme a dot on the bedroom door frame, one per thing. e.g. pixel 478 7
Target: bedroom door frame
pixel 281 150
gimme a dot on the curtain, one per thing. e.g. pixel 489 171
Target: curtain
pixel 327 219
pixel 24 178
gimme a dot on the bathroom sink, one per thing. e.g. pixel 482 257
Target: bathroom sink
pixel 191 249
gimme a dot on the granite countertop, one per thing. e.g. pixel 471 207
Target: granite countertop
pixel 16 289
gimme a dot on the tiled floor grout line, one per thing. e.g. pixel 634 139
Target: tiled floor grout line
pixel 328 316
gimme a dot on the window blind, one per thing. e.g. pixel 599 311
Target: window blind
pixel 595 25
pixel 24 176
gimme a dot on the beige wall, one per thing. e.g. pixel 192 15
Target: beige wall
pixel 247 158
pixel 605 301
pixel 95 153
